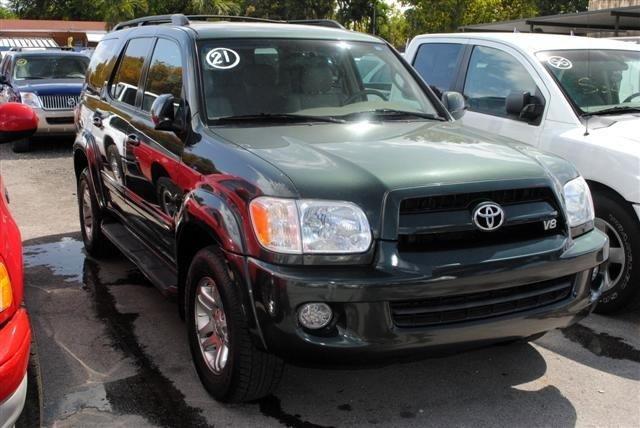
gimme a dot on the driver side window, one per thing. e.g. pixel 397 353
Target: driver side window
pixel 492 75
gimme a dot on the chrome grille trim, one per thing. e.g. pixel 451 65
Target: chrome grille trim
pixel 59 102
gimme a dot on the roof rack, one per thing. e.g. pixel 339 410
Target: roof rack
pixel 319 22
pixel 181 20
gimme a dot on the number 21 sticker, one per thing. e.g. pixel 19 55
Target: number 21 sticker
pixel 222 58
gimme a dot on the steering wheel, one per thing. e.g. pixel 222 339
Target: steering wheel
pixel 630 97
pixel 366 92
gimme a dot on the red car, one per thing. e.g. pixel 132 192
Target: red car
pixel 16 121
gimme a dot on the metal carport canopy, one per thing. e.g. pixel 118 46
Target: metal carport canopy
pixel 615 20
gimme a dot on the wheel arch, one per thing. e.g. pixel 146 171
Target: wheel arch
pixel 599 187
pixel 205 220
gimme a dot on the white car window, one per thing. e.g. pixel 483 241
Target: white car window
pixel 491 77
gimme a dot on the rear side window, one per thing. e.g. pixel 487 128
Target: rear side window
pixel 437 63
pixel 101 65
pixel 491 77
pixel 165 73
pixel 124 86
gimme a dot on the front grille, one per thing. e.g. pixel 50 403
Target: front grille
pixel 474 306
pixel 473 238
pixel 463 201
pixel 59 102
pixel 444 222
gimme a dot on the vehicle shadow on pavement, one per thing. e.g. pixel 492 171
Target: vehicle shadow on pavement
pixel 113 351
pixel 41 148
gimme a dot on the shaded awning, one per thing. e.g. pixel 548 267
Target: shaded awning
pixel 27 42
pixel 613 20
pixel 95 36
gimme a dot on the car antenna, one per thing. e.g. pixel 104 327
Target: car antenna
pixel 586 125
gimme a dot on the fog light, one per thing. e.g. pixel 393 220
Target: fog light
pixel 315 315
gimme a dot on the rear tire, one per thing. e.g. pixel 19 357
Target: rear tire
pixel 229 365
pixel 623 230
pixel 96 244
pixel 21 146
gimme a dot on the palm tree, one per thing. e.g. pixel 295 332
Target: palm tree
pixel 115 11
pixel 217 7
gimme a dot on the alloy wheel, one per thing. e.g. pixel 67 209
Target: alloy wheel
pixel 617 256
pixel 211 325
pixel 87 213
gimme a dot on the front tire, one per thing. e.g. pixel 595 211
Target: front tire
pixel 229 365
pixel 617 221
pixel 21 146
pixel 96 244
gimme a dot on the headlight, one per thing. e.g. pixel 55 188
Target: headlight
pixel 310 226
pixel 579 204
pixel 30 99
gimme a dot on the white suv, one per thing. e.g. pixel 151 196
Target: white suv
pixel 574 96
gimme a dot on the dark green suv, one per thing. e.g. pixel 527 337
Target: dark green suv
pixel 305 196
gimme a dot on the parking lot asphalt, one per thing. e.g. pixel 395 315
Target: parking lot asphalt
pixel 113 352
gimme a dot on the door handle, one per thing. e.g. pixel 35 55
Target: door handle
pixel 133 140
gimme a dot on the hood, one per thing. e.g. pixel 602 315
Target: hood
pixel 51 87
pixel 623 127
pixel 325 160
pixel 364 162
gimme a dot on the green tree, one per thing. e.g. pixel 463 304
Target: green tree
pixel 5 13
pixel 358 14
pixel 431 16
pixel 289 9
pixel 554 7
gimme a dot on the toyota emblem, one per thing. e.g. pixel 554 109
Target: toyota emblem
pixel 488 216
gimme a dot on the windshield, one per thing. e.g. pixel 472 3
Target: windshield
pixel 50 67
pixel 596 80
pixel 312 78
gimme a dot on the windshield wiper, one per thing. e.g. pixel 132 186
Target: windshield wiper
pixel 613 110
pixel 276 117
pixel 387 113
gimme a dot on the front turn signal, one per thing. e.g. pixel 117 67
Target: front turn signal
pixel 6 295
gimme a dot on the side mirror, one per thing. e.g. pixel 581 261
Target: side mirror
pixel 524 105
pixel 164 116
pixel 4 80
pixel 455 103
pixel 17 121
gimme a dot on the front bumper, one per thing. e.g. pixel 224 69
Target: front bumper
pixel 15 342
pixel 361 297
pixel 11 408
pixel 55 122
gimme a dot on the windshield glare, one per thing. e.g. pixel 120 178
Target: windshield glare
pixel 305 77
pixel 596 80
pixel 50 67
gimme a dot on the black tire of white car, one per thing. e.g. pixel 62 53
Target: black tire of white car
pixel 247 373
pixel 623 230
pixel 21 146
pixel 96 244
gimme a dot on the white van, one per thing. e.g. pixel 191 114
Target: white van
pixel 574 96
